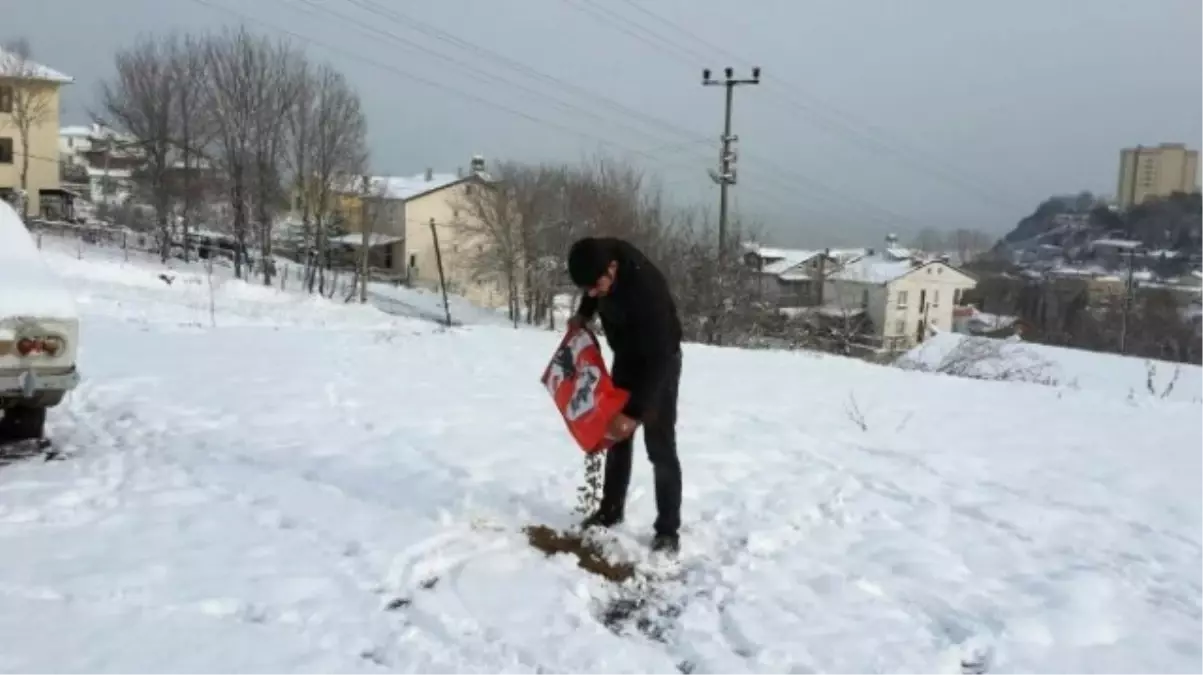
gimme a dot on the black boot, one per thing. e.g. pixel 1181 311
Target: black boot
pixel 666 543
pixel 603 517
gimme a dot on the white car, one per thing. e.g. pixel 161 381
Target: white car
pixel 39 333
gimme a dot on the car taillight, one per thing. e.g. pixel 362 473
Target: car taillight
pixel 53 346
pixel 50 346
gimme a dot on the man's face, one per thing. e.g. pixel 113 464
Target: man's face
pixel 604 283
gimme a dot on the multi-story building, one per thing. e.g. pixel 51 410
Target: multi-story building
pixel 402 241
pixel 29 132
pixel 1160 171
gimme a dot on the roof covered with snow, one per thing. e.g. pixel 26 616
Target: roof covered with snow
pixel 375 239
pixel 408 187
pixel 1116 243
pixel 75 131
pixel 15 66
pixel 874 269
pixel 94 131
pixel 781 261
pixel 789 258
pixel 101 172
pixel 28 287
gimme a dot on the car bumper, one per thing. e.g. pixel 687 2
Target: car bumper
pixel 30 383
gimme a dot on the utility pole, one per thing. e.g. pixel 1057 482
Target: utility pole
pixel 725 176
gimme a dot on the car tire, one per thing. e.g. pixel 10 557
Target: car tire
pixel 23 423
pixel 49 399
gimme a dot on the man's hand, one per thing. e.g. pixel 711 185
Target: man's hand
pixel 576 322
pixel 621 428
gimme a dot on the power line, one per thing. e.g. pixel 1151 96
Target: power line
pixel 476 72
pixel 419 78
pixel 358 57
pixel 840 122
pixel 496 57
pixel 843 199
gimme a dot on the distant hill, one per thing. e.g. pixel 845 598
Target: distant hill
pixel 1172 223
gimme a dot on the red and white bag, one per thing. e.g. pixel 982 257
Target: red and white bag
pixel 581 387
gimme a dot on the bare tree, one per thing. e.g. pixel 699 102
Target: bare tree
pixel 376 211
pixel 327 134
pixel 192 128
pixel 530 218
pixel 969 243
pixel 32 102
pixel 139 101
pixel 237 70
pixel 498 220
pixel 929 240
pixel 278 89
pixel 299 125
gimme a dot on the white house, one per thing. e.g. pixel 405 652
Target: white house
pixel 111 186
pixel 77 142
pixel 903 298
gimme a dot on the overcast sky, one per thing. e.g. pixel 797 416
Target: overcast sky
pixel 872 116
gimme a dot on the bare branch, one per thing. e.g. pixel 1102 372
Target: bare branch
pixel 139 102
pixel 327 134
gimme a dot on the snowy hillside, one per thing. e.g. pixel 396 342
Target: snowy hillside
pixel 120 269
pixel 991 358
pixel 303 485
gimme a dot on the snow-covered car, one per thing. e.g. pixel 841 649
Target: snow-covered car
pixel 39 333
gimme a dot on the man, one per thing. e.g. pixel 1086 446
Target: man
pixel 640 322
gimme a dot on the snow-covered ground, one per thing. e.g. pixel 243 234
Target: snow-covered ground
pixel 1013 359
pixel 121 269
pixel 253 493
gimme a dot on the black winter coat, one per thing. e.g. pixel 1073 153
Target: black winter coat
pixel 641 325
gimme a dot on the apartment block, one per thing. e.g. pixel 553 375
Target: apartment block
pixel 1159 171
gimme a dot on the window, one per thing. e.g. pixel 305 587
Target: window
pixel 956 297
pixel 900 327
pixel 864 298
pixel 935 298
pixel 6 151
pixel 6 99
pixel 901 299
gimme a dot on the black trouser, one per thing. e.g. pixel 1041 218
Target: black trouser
pixel 660 436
